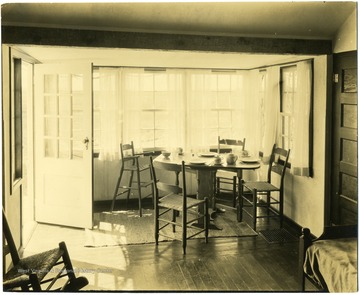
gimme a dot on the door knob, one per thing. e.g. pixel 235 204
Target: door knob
pixel 86 142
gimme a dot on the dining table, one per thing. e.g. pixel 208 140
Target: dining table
pixel 203 164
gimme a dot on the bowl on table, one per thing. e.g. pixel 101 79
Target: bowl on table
pixel 166 154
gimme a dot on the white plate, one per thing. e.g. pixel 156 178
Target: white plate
pixel 197 162
pixel 250 160
pixel 210 154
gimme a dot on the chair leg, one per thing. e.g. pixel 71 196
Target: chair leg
pixel 116 189
pixel 206 221
pixel 67 261
pixel 152 190
pixel 156 223
pixel 241 202
pixel 35 284
pixel 234 191
pixel 129 185
pixel 174 214
pixel 254 208
pixel 139 192
pixel 268 202
pixel 281 208
pixel 74 284
pixel 184 229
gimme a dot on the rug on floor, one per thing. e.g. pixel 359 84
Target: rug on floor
pixel 127 227
pixel 278 235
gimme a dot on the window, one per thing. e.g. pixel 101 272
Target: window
pixel 165 108
pixel 288 92
pixel 296 122
pixel 214 106
pixel 16 123
pixel 153 107
pixel 262 89
pixel 63 116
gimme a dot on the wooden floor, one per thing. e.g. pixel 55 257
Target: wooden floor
pixel 224 264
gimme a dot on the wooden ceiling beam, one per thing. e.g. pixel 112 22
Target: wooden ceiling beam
pixel 138 40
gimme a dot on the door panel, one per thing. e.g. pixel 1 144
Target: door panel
pixel 345 157
pixel 63 136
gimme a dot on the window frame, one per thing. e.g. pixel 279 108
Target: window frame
pixel 16 166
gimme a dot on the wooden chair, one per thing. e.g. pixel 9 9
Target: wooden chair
pixel 250 192
pixel 226 181
pixel 129 166
pixel 38 272
pixel 173 199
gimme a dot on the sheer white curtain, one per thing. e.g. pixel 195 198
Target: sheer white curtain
pixel 250 116
pixel 215 106
pixel 153 108
pixel 107 112
pixel 302 101
pixel 271 109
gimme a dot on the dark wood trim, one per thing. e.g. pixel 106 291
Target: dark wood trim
pixel 138 40
pixel 328 142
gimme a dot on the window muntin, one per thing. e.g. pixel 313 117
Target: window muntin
pixel 63 94
pixel 287 96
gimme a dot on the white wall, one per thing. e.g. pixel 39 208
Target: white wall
pixel 304 196
pixel 346 36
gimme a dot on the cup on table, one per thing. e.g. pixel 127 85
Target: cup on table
pixel 179 150
pixel 217 160
pixel 166 154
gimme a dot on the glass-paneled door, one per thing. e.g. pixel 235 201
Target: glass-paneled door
pixel 63 144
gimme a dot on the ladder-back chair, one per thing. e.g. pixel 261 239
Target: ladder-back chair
pixel 250 193
pixel 226 181
pixel 173 200
pixel 130 165
pixel 51 270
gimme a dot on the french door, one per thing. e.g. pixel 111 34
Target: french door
pixel 63 144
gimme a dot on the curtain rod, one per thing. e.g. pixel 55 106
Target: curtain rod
pixel 209 69
pixel 282 64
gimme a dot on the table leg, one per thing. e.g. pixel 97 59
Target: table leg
pixel 205 178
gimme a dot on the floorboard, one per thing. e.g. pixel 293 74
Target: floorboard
pixel 244 264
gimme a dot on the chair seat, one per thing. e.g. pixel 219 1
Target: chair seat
pixel 261 186
pixel 40 264
pixel 175 202
pixel 134 168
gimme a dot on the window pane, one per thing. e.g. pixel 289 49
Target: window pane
pixel 64 128
pixel 77 127
pixel 50 105
pixel 77 149
pixel 161 100
pixel 50 83
pixel 162 120
pixel 64 83
pixel 224 82
pixel 147 100
pixel 50 148
pixel 225 119
pixel 77 83
pixel 223 100
pixel 50 126
pixel 64 105
pixel 161 82
pixel 64 149
pixel 76 103
pixel 147 120
pixel 147 82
